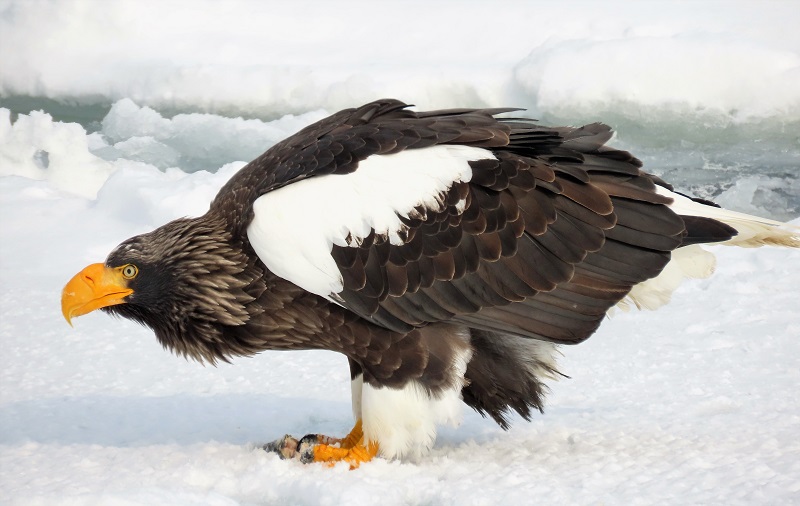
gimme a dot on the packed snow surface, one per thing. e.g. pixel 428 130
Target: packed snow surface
pixel 149 107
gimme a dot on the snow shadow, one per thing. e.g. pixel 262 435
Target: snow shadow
pixel 180 419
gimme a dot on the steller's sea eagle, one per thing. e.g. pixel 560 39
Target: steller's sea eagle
pixel 446 254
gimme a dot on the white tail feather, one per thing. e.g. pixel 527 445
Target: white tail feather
pixel 753 231
pixel 694 261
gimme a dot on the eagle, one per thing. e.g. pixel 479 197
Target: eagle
pixel 447 254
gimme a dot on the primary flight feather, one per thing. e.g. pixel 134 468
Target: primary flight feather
pixel 446 254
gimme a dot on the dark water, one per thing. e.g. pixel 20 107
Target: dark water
pixel 751 166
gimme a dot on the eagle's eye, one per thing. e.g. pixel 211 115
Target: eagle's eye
pixel 129 271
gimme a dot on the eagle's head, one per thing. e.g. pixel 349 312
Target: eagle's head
pixel 185 280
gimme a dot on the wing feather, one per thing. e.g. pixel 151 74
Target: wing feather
pixel 542 238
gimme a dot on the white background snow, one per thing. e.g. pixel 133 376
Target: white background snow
pixel 150 106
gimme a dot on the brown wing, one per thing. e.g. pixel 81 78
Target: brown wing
pixel 555 232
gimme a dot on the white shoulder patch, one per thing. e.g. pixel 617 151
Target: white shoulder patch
pixel 295 227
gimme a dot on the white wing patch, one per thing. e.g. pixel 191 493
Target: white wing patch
pixel 295 227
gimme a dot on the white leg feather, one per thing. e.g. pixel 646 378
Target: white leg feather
pixel 356 387
pixel 403 421
pixel 687 262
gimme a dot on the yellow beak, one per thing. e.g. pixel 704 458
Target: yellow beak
pixel 94 287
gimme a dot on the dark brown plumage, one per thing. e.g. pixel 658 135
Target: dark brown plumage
pixel 549 233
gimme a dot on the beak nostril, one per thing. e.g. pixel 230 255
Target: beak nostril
pixel 89 280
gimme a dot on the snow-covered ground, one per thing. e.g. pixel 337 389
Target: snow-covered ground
pixel 696 403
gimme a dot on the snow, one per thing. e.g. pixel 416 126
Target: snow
pixel 293 57
pixel 696 403
pixel 662 72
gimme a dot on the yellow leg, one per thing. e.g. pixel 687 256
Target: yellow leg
pixel 354 437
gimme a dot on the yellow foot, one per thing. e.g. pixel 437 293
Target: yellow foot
pixel 354 455
pixel 318 448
